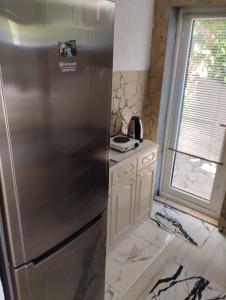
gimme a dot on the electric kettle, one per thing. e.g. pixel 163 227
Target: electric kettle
pixel 135 129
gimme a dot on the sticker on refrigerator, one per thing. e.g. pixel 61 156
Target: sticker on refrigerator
pixel 68 56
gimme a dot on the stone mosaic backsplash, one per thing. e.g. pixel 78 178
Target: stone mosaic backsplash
pixel 128 98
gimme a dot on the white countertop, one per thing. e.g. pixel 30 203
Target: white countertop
pixel 116 157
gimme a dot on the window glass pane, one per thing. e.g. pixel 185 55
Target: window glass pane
pixel 203 105
pixel 193 175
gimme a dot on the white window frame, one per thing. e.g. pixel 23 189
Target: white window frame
pixel 212 207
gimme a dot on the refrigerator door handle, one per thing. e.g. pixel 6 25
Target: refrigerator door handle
pixel 45 256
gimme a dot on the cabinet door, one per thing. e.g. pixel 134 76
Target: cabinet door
pixel 122 207
pixel 144 191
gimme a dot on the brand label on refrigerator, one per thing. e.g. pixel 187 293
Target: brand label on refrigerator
pixel 68 56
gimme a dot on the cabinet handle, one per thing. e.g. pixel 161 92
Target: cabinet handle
pixel 146 159
pixel 126 172
pixel 130 169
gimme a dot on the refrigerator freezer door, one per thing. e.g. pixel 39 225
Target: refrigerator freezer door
pixel 76 272
pixel 55 120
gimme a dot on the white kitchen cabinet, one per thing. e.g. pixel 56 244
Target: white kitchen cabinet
pixel 144 191
pixel 122 206
pixel 131 190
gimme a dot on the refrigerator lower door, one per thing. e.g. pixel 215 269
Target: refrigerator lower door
pixel 75 272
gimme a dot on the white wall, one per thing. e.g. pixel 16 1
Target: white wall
pixel 133 28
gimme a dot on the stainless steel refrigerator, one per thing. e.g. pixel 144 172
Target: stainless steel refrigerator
pixel 56 74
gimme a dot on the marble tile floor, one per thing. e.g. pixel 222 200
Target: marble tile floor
pixel 185 226
pixel 174 281
pixel 208 262
pixel 132 260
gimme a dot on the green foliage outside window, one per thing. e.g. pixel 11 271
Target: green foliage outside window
pixel 208 55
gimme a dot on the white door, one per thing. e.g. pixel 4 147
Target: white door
pixel 194 164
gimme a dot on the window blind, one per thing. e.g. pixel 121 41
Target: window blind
pixel 202 113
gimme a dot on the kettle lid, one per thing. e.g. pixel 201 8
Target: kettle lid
pixel 135 118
